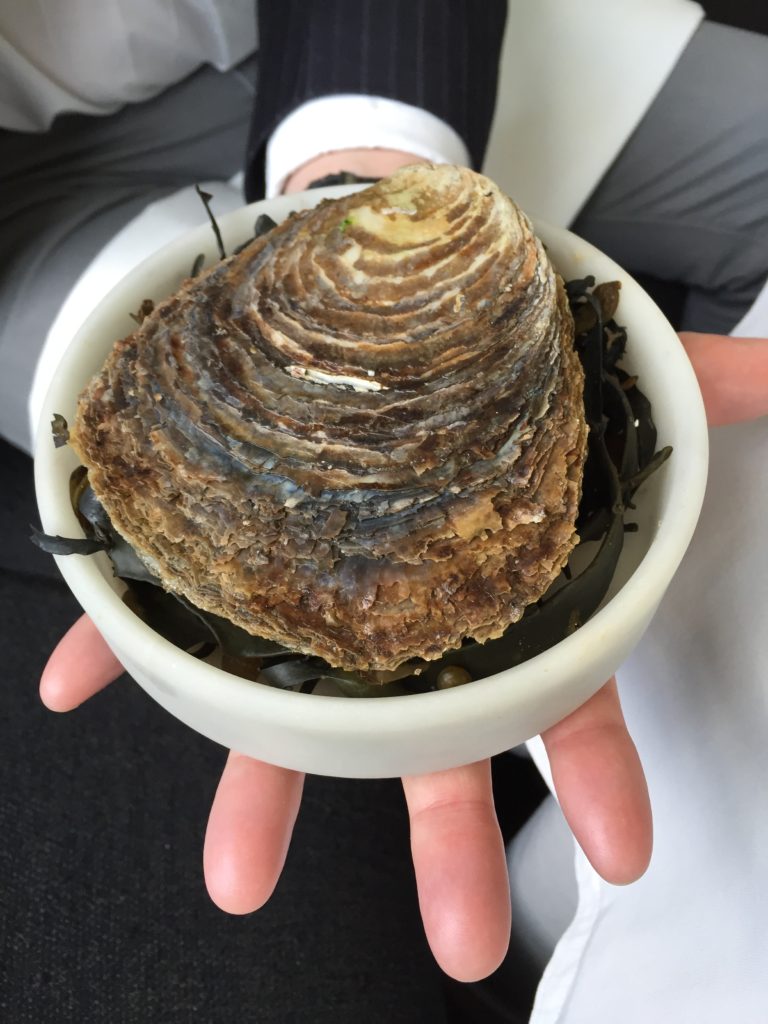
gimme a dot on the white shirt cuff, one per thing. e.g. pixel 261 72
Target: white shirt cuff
pixel 357 122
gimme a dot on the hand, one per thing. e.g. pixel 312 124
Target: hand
pixel 457 850
pixel 732 375
pixel 365 163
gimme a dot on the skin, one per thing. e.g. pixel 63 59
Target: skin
pixel 458 854
pixel 366 163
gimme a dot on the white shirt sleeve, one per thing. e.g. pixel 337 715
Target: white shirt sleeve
pixel 351 121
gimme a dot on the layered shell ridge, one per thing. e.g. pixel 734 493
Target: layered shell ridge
pixel 364 434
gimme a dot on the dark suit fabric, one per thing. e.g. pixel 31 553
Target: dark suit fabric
pixel 439 55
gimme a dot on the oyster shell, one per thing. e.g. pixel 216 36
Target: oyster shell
pixel 364 435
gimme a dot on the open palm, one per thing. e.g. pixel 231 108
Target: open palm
pixel 456 844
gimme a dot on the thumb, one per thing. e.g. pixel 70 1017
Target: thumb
pixel 732 374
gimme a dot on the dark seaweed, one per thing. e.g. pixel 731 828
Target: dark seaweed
pixel 341 178
pixel 206 198
pixel 197 264
pixel 55 545
pixel 263 224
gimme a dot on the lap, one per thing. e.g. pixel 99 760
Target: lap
pixel 687 198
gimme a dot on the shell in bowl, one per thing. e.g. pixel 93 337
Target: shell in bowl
pixel 363 436
pixel 415 733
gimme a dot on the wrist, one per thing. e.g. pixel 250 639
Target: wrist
pixel 366 163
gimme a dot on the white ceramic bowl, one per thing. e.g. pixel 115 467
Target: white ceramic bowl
pixel 416 733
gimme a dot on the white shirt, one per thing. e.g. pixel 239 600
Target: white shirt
pixel 689 942
pixel 576 78
pixel 94 56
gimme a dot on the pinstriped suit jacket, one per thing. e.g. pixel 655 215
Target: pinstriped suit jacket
pixel 439 55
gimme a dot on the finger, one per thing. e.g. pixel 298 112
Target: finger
pixel 80 666
pixel 461 869
pixel 249 829
pixel 601 787
pixel 732 375
pixel 367 163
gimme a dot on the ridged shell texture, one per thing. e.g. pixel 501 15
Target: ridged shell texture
pixel 363 436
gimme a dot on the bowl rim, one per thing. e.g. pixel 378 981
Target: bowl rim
pixel 207 685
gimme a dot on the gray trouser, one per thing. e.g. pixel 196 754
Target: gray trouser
pixel 687 199
pixel 67 192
